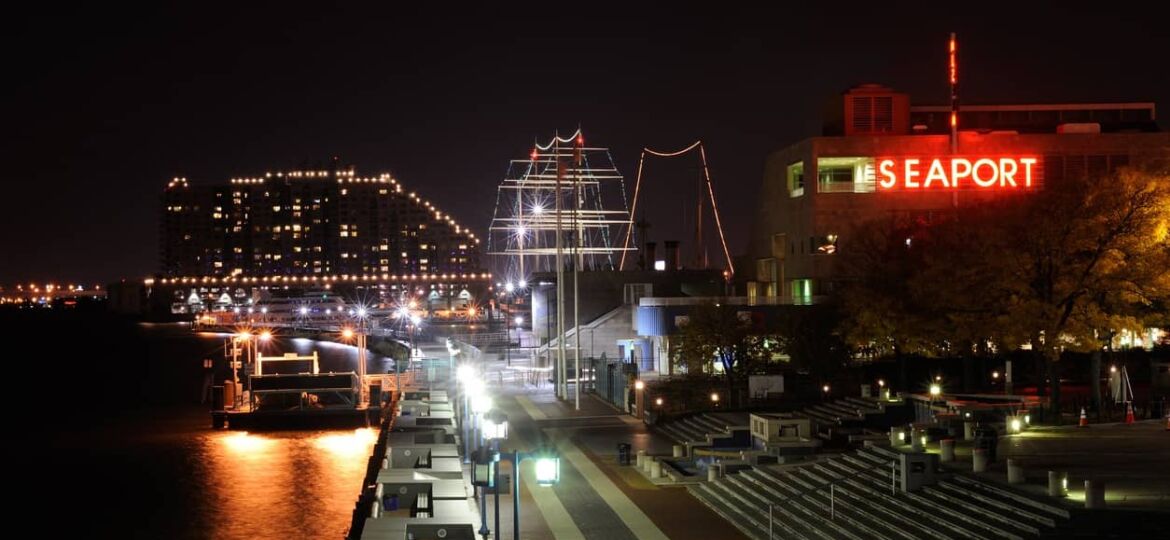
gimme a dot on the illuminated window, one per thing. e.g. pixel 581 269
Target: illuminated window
pixel 802 290
pixel 845 175
pixel 796 179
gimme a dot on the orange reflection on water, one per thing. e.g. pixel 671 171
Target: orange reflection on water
pixel 354 445
pixel 283 484
pixel 247 446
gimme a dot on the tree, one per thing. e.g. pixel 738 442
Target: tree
pixel 717 333
pixel 808 335
pixel 1060 270
pixel 1063 269
pixel 874 269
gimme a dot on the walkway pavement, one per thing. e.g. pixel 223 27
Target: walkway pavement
pixel 596 498
pixel 1133 461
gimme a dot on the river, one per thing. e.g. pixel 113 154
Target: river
pixel 113 441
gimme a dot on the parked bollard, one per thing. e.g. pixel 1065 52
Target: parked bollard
pixel 895 436
pixel 679 451
pixel 916 436
pixel 375 509
pixel 379 491
pixel 1057 484
pixel 655 469
pixel 712 473
pixel 1015 472
pixel 947 449
pixel 385 463
pixel 641 458
pixel 979 460
pixel 1094 494
pixel 646 464
pixel 968 431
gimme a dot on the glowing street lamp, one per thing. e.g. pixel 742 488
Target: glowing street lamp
pixel 548 470
pixel 639 407
pixel 347 333
pixel 465 373
pixel 495 425
pixel 265 336
pixel 481 403
pixel 935 391
pixel 658 401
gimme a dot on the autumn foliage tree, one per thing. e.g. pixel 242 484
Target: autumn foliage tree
pixel 1058 270
pixel 716 333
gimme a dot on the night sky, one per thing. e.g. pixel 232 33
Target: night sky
pixel 102 107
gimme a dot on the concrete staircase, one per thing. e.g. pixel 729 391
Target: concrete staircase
pixel 694 430
pixel 865 507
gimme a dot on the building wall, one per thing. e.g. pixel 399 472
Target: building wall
pixel 789 229
pixel 603 291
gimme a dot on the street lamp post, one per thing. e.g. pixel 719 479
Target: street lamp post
pixel 481 404
pixel 495 429
pixel 639 387
pixel 548 473
pixel 509 295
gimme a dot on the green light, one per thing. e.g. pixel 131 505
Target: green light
pixel 548 471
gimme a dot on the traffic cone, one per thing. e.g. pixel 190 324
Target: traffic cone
pixel 1129 413
pixel 1084 419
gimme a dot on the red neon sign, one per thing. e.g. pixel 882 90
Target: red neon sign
pixel 948 173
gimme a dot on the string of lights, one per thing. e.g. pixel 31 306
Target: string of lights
pixel 710 192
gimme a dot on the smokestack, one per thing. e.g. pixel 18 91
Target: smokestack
pixel 651 255
pixel 672 254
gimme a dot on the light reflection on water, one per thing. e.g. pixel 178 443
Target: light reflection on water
pixel 283 484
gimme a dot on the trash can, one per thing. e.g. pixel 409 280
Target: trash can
pixel 623 453
pixel 987 439
pixel 390 502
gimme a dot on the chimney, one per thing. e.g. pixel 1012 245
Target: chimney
pixel 650 255
pixel 672 254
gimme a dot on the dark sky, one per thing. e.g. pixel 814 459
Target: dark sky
pixel 102 107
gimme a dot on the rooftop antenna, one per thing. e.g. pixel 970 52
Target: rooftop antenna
pixel 954 80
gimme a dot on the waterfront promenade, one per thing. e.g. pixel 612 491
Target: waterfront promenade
pixel 595 497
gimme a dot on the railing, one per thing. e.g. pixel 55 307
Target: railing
pixel 832 495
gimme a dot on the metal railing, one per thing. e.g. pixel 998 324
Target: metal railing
pixel 832 495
